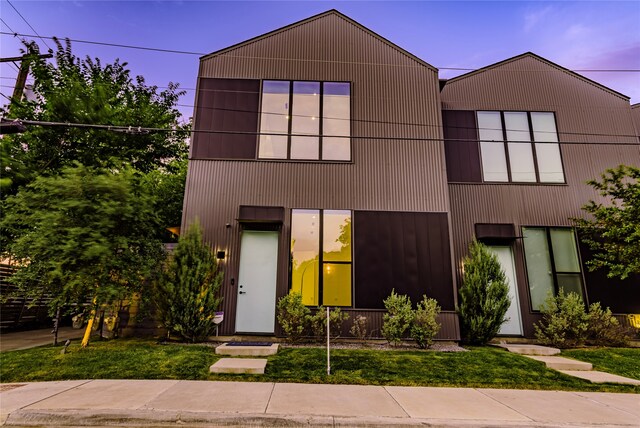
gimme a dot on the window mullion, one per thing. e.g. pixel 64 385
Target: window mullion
pixel 320 118
pixel 290 124
pixel 505 145
pixel 533 148
pixel 552 261
pixel 321 258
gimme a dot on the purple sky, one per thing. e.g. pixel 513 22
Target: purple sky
pixel 576 35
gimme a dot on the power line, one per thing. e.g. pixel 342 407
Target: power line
pixel 175 51
pixel 15 34
pixel 10 29
pixel 116 45
pixel 383 122
pixel 5 96
pixel 27 22
pixel 140 129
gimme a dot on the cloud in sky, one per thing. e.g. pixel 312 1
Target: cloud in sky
pixel 596 36
pixel 533 17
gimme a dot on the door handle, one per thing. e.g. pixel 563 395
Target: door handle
pixel 242 292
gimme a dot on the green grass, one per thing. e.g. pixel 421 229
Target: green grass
pixel 486 367
pixel 620 361
pixel 114 359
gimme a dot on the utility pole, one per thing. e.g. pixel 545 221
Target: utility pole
pixel 14 127
pixel 21 80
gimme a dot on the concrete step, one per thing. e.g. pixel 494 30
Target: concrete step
pixel 239 365
pixel 247 351
pixel 600 377
pixel 524 349
pixel 561 363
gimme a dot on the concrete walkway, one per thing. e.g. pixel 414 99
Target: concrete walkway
pixel 31 338
pixel 568 366
pixel 204 403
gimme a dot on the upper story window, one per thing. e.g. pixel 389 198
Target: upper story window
pixel 304 120
pixel 519 147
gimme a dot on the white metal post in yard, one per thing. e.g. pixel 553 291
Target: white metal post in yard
pixel 328 348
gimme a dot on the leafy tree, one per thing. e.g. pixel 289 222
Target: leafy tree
pixel 168 184
pixel 484 295
pixel 85 91
pixel 85 233
pixel 613 228
pixel 188 290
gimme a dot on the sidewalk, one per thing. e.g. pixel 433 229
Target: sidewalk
pixel 202 403
pixel 31 338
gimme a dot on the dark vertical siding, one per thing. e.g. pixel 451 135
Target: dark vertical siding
pixel 408 252
pixel 461 146
pixel 394 104
pixel 225 106
pixel 618 295
pixel 448 320
pixel 585 113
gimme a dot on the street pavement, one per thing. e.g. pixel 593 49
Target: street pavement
pixel 206 403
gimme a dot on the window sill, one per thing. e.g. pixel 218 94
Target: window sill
pixel 502 183
pixel 349 162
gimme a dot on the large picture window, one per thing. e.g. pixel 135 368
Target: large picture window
pixel 552 262
pixel 305 120
pixel 321 277
pixel 519 147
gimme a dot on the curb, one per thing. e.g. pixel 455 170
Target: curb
pixel 153 418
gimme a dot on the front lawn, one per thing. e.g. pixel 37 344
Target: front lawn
pixel 620 361
pixel 486 367
pixel 113 359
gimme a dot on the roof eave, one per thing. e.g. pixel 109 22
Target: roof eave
pixel 551 63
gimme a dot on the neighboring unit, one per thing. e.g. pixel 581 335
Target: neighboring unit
pixel 319 165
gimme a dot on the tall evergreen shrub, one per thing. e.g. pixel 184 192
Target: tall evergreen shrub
pixel 484 295
pixel 187 293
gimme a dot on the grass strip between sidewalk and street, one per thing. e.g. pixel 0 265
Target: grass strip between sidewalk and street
pixel 485 367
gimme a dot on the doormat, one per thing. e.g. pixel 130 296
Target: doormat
pixel 249 343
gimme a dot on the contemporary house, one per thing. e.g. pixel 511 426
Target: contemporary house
pixel 327 160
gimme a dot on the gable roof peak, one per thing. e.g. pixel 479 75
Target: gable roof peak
pixel 324 14
pixel 541 59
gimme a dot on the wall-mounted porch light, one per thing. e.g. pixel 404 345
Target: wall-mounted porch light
pixel 220 255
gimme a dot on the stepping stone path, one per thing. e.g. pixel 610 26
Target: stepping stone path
pixel 247 350
pixel 243 365
pixel 239 365
pixel 564 365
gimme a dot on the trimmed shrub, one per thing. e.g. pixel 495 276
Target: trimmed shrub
pixel 398 318
pixel 564 321
pixel 424 326
pixel 359 327
pixel 484 295
pixel 318 322
pixel 187 292
pixel 604 329
pixel 292 316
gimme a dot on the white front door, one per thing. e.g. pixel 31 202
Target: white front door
pixel 256 306
pixel 513 325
